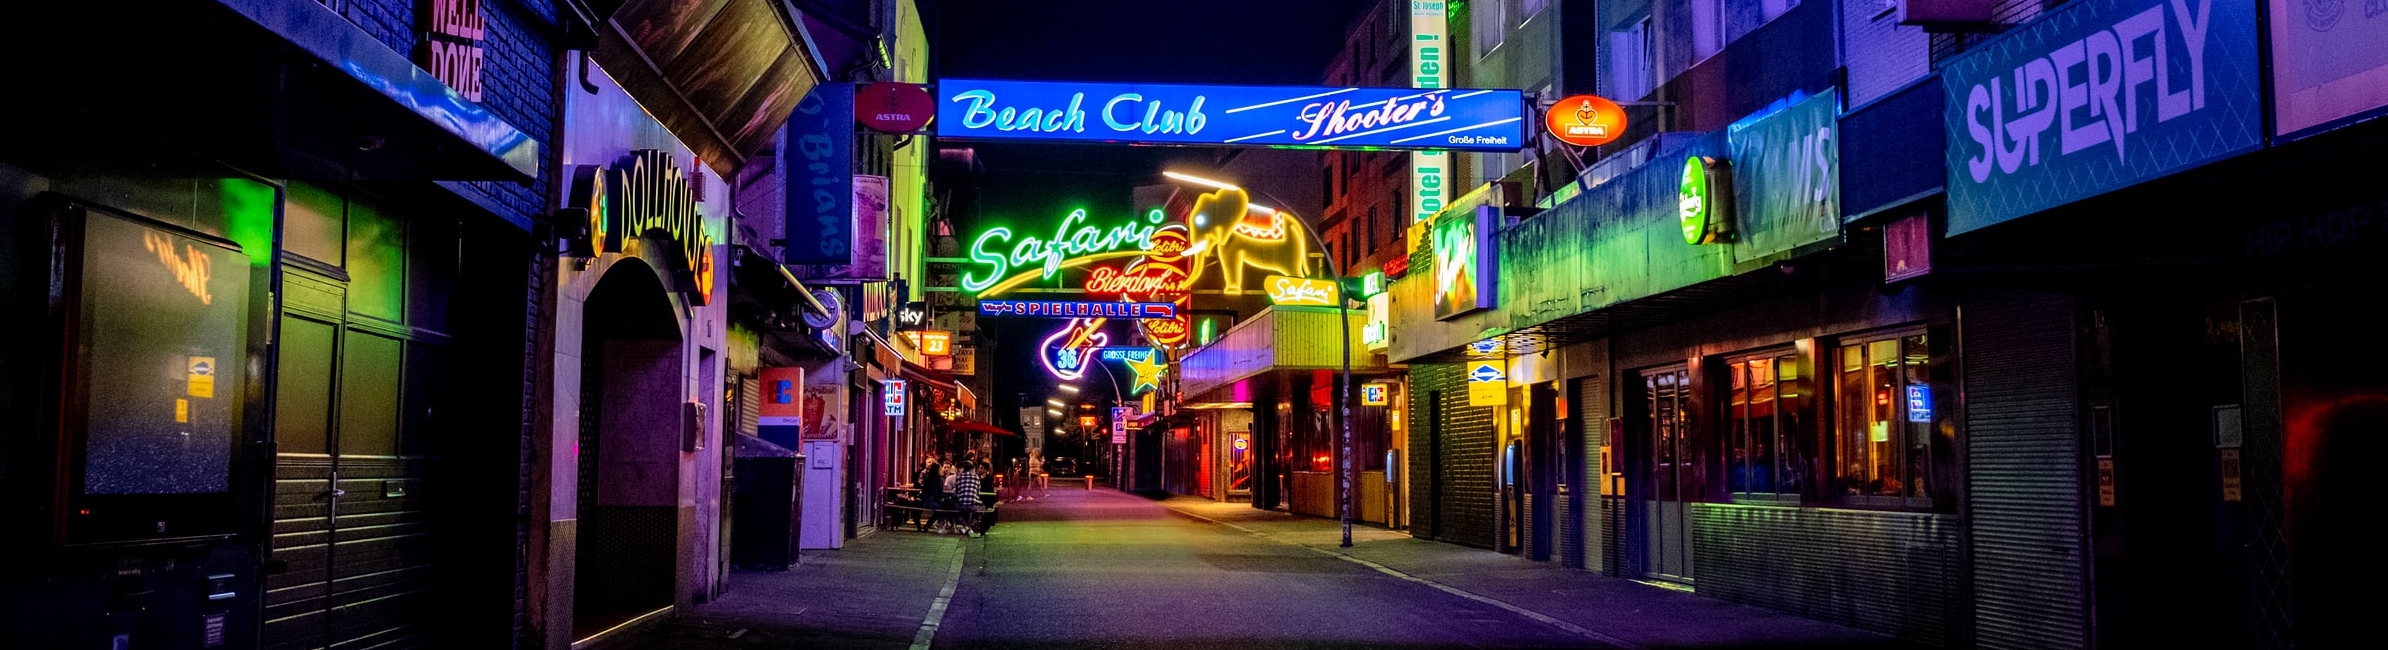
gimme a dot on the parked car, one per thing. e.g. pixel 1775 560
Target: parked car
pixel 1062 466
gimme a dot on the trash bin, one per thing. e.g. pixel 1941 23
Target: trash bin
pixel 766 503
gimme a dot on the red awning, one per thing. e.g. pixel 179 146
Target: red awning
pixel 978 427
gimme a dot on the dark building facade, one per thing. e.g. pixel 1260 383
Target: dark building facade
pixel 287 281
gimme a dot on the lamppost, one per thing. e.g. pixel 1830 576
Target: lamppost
pixel 1118 464
pixel 1342 310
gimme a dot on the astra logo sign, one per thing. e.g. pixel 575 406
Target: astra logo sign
pixel 2094 96
pixel 1357 118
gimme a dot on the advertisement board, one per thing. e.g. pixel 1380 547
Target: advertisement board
pixel 2095 96
pixel 1298 116
pixel 2328 63
pixel 781 406
pixel 1786 177
pixel 818 159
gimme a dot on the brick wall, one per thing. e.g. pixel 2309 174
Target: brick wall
pixel 1881 54
pixel 1465 460
pixel 518 78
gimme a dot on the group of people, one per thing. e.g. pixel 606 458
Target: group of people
pixel 952 491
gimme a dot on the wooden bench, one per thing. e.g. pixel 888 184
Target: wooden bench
pixel 922 515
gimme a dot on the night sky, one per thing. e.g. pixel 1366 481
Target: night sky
pixel 1270 42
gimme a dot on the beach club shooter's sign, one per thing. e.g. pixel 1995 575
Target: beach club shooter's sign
pixel 1353 118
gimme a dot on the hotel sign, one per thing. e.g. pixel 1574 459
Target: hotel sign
pixel 1324 117
pixel 2096 96
pixel 1427 29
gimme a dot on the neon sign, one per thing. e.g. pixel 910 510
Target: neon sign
pixel 1285 290
pixel 1076 309
pixel 1067 248
pixel 1462 264
pixel 1375 394
pixel 1148 374
pixel 1326 117
pixel 1169 259
pixel 1143 280
pixel 932 342
pixel 192 273
pixel 1127 353
pixel 1068 352
pixel 645 193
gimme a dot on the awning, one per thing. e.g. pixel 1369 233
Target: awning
pixel 978 427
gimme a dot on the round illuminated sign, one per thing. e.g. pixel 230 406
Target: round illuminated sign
pixel 1585 121
pixel 1695 200
pixel 894 107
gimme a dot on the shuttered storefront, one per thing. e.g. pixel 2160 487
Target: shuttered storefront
pixel 2024 488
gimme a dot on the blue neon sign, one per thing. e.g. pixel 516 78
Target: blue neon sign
pixel 1282 116
pixel 1076 309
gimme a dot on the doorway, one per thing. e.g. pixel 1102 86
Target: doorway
pixel 628 557
pixel 1671 472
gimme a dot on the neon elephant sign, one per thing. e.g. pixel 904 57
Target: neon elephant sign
pixel 1241 235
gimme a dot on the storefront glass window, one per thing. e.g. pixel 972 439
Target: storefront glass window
pixel 1767 412
pixel 1882 453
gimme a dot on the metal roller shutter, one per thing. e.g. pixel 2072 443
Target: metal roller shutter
pixel 2024 487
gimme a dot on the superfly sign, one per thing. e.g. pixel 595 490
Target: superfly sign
pixel 1336 118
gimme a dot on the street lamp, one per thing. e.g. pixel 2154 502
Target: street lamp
pixel 1342 310
pixel 1117 399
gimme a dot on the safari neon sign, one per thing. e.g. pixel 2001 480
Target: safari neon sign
pixel 1001 263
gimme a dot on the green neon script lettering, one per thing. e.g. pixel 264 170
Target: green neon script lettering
pixel 1049 255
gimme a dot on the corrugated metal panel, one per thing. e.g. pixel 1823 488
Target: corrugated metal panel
pixel 1592 424
pixel 1276 338
pixel 750 405
pixel 2024 485
pixel 1887 572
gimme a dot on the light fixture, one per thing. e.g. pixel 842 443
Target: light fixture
pixel 1055 403
pixel 1067 388
pixel 1198 180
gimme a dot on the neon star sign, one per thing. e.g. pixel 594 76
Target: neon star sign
pixel 1148 373
pixel 1074 242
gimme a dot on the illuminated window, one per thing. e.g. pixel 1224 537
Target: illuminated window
pixel 1768 409
pixel 1882 447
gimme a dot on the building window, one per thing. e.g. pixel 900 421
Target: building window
pixel 1486 24
pixel 1630 75
pixel 1768 410
pixel 1744 16
pixel 1882 447
pixel 1528 9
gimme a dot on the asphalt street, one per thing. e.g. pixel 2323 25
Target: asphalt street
pixel 1087 569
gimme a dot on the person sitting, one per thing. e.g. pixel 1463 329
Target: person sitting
pixel 966 498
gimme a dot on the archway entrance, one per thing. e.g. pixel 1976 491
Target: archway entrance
pixel 629 554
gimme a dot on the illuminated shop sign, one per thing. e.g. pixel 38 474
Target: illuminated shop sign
pixel 2097 95
pixel 1701 201
pixel 1068 352
pixel 932 342
pixel 1488 385
pixel 1148 374
pixel 1226 224
pixel 1167 259
pixel 642 195
pixel 1299 291
pixel 781 405
pixel 1127 353
pixel 1585 121
pixel 1076 309
pixel 1376 333
pixel 1463 264
pixel 1376 394
pixel 894 401
pixel 1148 280
pixel 1335 118
pixel 1427 28
pixel 1074 242
pixel 1919 402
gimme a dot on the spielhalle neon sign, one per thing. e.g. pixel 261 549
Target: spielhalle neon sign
pixel 1326 117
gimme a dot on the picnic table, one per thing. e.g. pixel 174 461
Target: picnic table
pixel 903 503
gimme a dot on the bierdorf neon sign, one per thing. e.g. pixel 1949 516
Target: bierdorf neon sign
pixel 1002 263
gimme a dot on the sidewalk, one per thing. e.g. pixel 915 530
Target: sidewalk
pixel 1614 611
pixel 874 593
